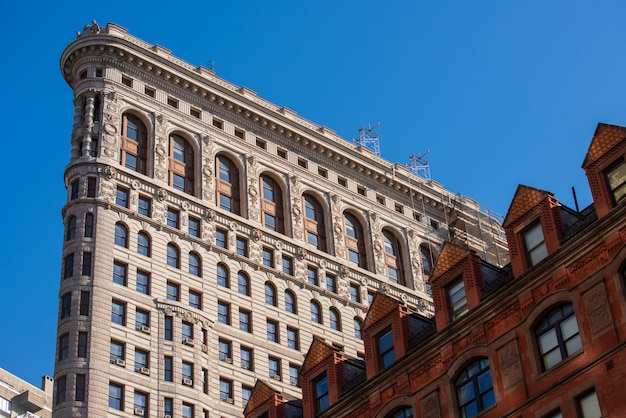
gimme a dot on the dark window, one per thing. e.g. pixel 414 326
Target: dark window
pixel 558 336
pixel 393 258
pixel 181 164
pixel 320 393
pixel 402 412
pixel 169 328
pixel 84 303
pixel 474 388
pixel 427 260
pixel 91 187
pixel 358 325
pixel 70 233
pixel 172 102
pixel 87 257
pixel 272 205
pixel 74 190
pixel 68 266
pixel 61 387
pixel 80 387
pixel 64 346
pixel 386 353
pixel 239 133
pixel 89 225
pixel 218 123
pixel 168 369
pixel 82 344
pixel 355 241
pixel 168 406
pixel 66 305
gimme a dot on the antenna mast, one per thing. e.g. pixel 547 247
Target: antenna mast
pixel 419 166
pixel 368 137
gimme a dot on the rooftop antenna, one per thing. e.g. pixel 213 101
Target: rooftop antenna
pixel 211 65
pixel 419 166
pixel 368 137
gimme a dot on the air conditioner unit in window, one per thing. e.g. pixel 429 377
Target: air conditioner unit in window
pixel 145 370
pixel 227 360
pixel 145 329
pixel 276 377
pixel 229 400
pixel 139 411
pixel 167 416
pixel 120 362
pixel 188 341
pixel 187 382
pixel 292 383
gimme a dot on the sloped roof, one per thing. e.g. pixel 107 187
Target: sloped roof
pixel 260 394
pixel 450 255
pixel 605 138
pixel 318 351
pixel 381 306
pixel 525 198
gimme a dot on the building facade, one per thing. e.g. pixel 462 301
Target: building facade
pixel 20 399
pixel 210 235
pixel 543 337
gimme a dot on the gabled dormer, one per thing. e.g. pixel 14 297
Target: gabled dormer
pixel 533 227
pixel 267 402
pixel 322 377
pixel 605 167
pixel 457 283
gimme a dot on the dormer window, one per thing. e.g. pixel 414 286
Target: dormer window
pixel 457 299
pixel 320 393
pixel 616 181
pixel 535 244
pixel 386 354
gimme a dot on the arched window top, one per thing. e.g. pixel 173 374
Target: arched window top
pixel 195 264
pixel 335 319
pixel 358 325
pixel 401 412
pixel 228 190
pixel 474 388
pixel 181 164
pixel 355 240
pixel 133 126
pixel 121 235
pixel 173 255
pixel 393 257
pixel 143 243
pixel 290 302
pixel 271 188
pixel 134 144
pixel 312 207
pixel 270 294
pixel 314 222
pixel 428 260
pixel 222 275
pixel 227 170
pixel 557 335
pixel 391 242
pixel 71 228
pixel 272 203
pixel 243 283
pixel 316 315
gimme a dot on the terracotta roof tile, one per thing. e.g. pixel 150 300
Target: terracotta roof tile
pixel 261 393
pixel 381 306
pixel 318 351
pixel 525 199
pixel 450 255
pixel 605 138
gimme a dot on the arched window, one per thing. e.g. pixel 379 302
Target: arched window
pixel 134 145
pixel 335 319
pixel 222 275
pixel 270 294
pixel 393 258
pixel 272 204
pixel 121 235
pixel 402 412
pixel 143 244
pixel 558 336
pixel 173 255
pixel 474 388
pixel 181 164
pixel 71 228
pixel 427 260
pixel 89 225
pixel 316 312
pixel 314 223
pixel 228 185
pixel 358 324
pixel 243 283
pixel 290 302
pixel 195 264
pixel 355 241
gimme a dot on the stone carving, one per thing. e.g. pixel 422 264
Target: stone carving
pixel 302 253
pixel 161 195
pixel 597 308
pixel 109 172
pixel 88 29
pixel 510 364
pixel 209 215
pixel 257 235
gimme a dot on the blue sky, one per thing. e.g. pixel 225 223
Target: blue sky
pixel 500 92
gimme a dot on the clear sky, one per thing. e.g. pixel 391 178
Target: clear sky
pixel 500 93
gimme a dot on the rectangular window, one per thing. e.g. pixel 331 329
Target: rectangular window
pixel 272 331
pixel 293 340
pixel 172 102
pixel 142 320
pixel 245 320
pixel 223 313
pixel 457 299
pixel 91 187
pixel 61 387
pixel 616 179
pixel 386 354
pixel 172 291
pixel 118 312
pixel 226 390
pixel 288 265
pixel 74 190
pixel 187 333
pixel 194 112
pixel 242 246
pixel 399 208
pixel 342 182
pixel 195 299
pixel 89 225
pixel 80 388
pixel 355 293
pixel 220 238
pixel 218 123
pixel 311 275
pixel 360 190
pixel 68 266
pixel 140 404
pixel 127 81
pixel 168 369
pixel 260 143
pixel 149 91
pixel 84 303
pixel 144 206
pixel 194 227
pixel 281 153
pixel 116 396
pixel 64 346
pixel 303 163
pixel 239 133
pixel 143 282
pixel 246 392
pixel 380 199
pixel 119 273
pixel 172 218
pixel 273 364
pixel 224 351
pixel 331 283
pixel 86 264
pixel 142 360
pixel 293 375
pixel 434 224
pixel 121 197
pixel 187 373
pixel 187 411
pixel 535 244
pixel 205 380
pixel 320 393
pixel 116 352
pixel 66 305
pixel 588 405
pixel 246 357
pixel 268 257
pixel 169 328
pixel 82 344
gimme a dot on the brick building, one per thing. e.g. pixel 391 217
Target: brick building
pixel 543 337
pixel 211 236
